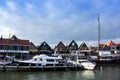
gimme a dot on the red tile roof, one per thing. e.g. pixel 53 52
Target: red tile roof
pixel 18 41
pixel 110 43
pixel 15 41
pixel 102 46
pixel 117 44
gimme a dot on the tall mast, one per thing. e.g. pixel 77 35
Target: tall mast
pixel 98 31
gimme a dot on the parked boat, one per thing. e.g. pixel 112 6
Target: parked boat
pixel 106 57
pixel 82 61
pixel 68 61
pixel 41 60
pixel 5 60
pixel 86 63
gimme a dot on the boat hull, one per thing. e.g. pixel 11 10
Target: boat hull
pixel 88 65
pixel 5 62
pixel 116 61
pixel 37 64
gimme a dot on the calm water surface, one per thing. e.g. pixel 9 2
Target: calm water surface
pixel 111 72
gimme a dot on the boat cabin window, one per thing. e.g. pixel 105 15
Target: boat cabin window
pixel 7 59
pixel 35 59
pixel 50 60
pixel 58 60
pixel 40 59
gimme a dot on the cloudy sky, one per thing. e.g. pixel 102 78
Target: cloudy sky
pixel 60 20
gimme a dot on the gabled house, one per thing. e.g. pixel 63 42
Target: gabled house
pixel 104 47
pixel 14 47
pixel 72 47
pixel 84 49
pixel 33 49
pixel 110 46
pixel 44 48
pixel 60 48
pixel 83 46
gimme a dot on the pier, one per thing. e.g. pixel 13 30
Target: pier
pixel 38 68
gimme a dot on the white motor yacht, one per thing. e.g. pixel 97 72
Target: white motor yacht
pixel 83 62
pixel 42 60
pixel 86 63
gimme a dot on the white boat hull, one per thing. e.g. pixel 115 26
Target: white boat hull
pixel 88 65
pixel 5 62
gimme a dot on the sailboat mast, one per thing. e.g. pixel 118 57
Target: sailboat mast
pixel 98 31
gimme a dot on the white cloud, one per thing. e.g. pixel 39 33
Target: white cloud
pixel 29 6
pixel 3 13
pixel 51 10
pixel 52 24
pixel 5 31
pixel 11 5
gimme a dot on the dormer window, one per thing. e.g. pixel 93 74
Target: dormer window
pixel 14 37
pixel 73 44
pixel 44 44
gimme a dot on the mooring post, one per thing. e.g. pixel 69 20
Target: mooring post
pixel 66 67
pixel 18 67
pixel 42 67
pixel 54 67
pixel 4 67
pixel 30 67
pixel 75 67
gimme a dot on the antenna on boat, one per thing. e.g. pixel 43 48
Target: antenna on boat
pixel 98 31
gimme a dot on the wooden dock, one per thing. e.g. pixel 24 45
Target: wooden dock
pixel 38 68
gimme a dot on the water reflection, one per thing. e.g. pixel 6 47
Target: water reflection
pixel 103 72
pixel 108 72
pixel 87 74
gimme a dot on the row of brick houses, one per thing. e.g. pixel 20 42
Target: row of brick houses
pixel 23 48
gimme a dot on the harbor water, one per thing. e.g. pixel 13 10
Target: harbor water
pixel 101 72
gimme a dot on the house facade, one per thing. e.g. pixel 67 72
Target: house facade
pixel 61 49
pixel 72 47
pixel 14 46
pixel 110 46
pixel 84 49
pixel 44 48
pixel 32 50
